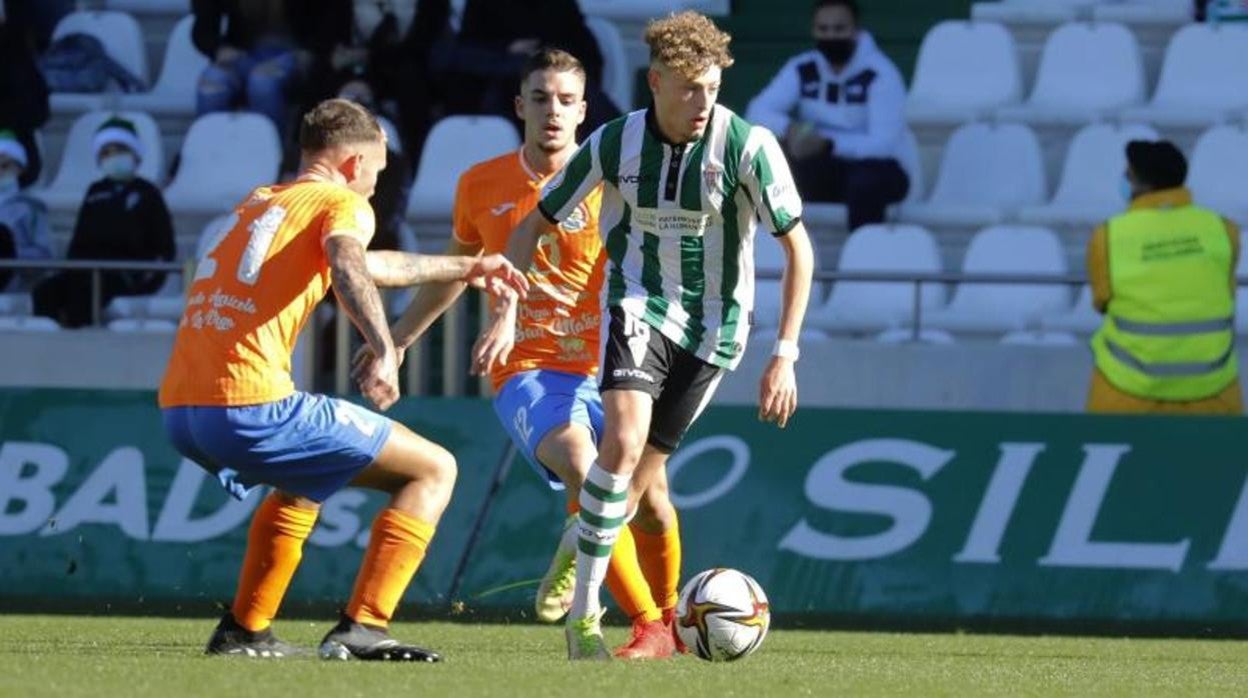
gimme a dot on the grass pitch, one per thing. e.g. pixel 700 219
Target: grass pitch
pixel 133 657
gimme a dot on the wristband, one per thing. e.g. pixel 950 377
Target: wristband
pixel 786 349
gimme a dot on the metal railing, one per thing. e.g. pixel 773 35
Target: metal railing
pixel 455 323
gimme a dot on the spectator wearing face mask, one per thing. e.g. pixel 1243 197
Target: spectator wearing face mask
pixel 839 110
pixel 23 218
pixel 122 218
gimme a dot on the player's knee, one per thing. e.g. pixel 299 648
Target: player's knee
pixel 444 470
pixel 623 447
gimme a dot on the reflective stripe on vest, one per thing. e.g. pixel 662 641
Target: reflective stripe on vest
pixel 1169 328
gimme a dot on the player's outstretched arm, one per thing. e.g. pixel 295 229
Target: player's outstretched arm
pixel 359 299
pixel 778 391
pixel 431 300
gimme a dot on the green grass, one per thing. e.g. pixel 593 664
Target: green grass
pixel 76 656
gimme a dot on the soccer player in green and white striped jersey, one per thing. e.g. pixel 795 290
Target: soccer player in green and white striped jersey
pixel 687 184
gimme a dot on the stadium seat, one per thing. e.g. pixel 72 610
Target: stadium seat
pixel 171 7
pixel 224 156
pixel 1082 318
pixel 123 41
pixel 965 70
pixel 1241 292
pixel 906 335
pixel 1040 338
pixel 1030 11
pixel 617 79
pixel 15 304
pixel 1002 307
pixel 877 305
pixel 143 325
pixel 769 259
pixel 1088 192
pixel 78 168
pixel 1144 11
pixel 1218 176
pixel 28 323
pixel 174 91
pixel 455 144
pixel 1087 72
pixel 648 9
pixel 1203 80
pixel 988 172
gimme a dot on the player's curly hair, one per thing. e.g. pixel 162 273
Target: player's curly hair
pixel 688 43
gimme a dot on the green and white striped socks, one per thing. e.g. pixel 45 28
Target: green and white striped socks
pixel 604 510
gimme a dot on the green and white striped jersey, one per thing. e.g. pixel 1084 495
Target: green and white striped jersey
pixel 678 223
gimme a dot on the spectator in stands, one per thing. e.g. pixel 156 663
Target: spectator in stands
pixel 122 218
pixel 839 111
pixel 23 219
pixel 23 91
pixel 495 39
pixel 1163 274
pixel 263 49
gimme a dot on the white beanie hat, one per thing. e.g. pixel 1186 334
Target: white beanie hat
pixel 12 148
pixel 117 130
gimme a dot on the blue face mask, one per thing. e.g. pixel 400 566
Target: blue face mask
pixel 1124 188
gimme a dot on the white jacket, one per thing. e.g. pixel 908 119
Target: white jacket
pixel 861 109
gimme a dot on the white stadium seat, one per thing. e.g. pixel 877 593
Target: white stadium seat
pixel 78 167
pixel 174 91
pixel 1089 192
pixel 1204 79
pixel 988 172
pixel 1218 175
pixel 224 157
pixel 15 304
pixel 1241 292
pixel 1087 71
pixel 31 323
pixel 1030 11
pixel 876 305
pixel 1082 318
pixel 170 7
pixel 768 258
pixel 1040 338
pixel 965 70
pixel 907 335
pixel 143 325
pixel 123 41
pixel 1005 307
pixel 455 144
pixel 1144 11
pixel 617 79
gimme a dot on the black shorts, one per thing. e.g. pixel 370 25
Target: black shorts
pixel 638 357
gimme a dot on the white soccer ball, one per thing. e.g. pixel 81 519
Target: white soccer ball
pixel 722 615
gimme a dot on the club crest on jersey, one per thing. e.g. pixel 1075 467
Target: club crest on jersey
pixel 576 221
pixel 711 177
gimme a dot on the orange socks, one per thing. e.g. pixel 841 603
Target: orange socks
pixel 659 555
pixel 396 548
pixel 274 548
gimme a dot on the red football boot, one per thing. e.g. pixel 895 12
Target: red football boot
pixel 650 640
pixel 669 620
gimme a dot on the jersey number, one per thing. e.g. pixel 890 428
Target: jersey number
pixel 261 232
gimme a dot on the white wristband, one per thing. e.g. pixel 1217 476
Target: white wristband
pixel 786 349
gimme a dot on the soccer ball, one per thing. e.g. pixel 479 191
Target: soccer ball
pixel 722 615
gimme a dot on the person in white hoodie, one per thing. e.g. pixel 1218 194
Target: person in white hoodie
pixel 839 110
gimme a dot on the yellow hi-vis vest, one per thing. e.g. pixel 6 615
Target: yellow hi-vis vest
pixel 1169 328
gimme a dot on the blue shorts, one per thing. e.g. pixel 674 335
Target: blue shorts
pixel 532 403
pixel 306 445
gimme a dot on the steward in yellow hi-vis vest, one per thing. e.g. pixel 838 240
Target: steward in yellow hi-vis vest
pixel 1163 274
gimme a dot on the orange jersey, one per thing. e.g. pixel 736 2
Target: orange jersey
pixel 253 291
pixel 558 324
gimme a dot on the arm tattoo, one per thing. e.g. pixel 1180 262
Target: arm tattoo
pixel 357 295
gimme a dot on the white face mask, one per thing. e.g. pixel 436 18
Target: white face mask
pixel 119 166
